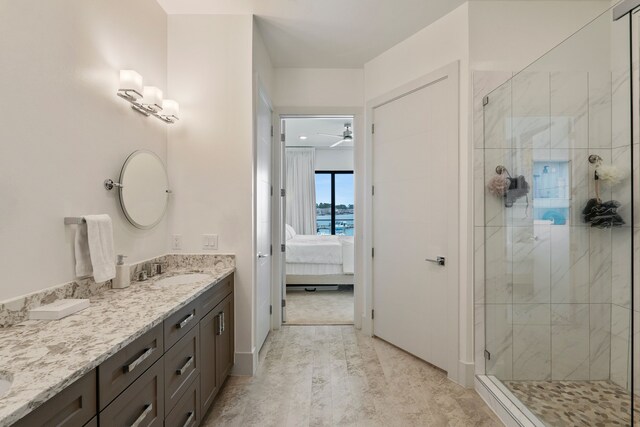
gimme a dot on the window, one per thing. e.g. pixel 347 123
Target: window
pixel 334 202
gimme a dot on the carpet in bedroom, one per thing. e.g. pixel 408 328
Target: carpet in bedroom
pixel 320 307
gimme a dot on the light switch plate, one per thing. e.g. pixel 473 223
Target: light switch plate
pixel 210 242
pixel 176 242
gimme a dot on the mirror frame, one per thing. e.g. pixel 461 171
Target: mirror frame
pixel 121 189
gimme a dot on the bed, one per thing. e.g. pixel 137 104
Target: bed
pixel 319 260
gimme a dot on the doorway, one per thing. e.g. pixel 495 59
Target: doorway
pixel 318 219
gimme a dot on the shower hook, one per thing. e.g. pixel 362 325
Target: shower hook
pixel 594 159
pixel 501 169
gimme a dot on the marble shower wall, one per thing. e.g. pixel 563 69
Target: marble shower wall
pixel 552 301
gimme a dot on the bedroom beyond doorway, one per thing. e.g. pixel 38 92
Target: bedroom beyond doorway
pixel 319 219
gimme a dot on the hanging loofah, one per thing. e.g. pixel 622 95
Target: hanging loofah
pixel 498 185
pixel 610 174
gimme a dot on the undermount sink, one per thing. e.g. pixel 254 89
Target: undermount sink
pixel 183 279
pixel 6 379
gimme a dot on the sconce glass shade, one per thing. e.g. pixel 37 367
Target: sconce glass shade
pixel 152 99
pixel 170 109
pixel 130 84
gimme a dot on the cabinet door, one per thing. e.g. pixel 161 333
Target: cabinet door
pixel 208 381
pixel 224 340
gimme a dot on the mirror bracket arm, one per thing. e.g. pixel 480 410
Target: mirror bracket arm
pixel 109 184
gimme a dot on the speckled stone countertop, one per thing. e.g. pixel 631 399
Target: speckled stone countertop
pixel 45 357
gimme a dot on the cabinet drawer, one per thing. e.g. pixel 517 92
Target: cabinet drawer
pixel 213 296
pixel 181 366
pixel 187 411
pixel 75 406
pixel 142 404
pixel 120 370
pixel 179 323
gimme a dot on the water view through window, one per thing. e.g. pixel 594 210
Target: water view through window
pixel 334 203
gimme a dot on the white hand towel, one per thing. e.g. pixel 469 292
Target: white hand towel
pixel 94 248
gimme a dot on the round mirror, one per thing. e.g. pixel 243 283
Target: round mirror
pixel 145 189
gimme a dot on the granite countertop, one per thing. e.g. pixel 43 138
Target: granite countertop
pixel 45 357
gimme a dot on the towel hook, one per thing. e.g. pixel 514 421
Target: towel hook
pixel 501 169
pixel 109 184
pixel 594 159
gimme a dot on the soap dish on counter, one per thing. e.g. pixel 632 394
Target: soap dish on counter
pixel 58 309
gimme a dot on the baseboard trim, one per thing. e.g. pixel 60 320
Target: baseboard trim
pixel 466 373
pixel 246 363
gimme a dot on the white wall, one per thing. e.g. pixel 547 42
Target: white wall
pixel 334 160
pixel 508 35
pixel 441 43
pixel 318 87
pixel 64 130
pixel 210 149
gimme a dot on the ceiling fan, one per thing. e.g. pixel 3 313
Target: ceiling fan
pixel 347 135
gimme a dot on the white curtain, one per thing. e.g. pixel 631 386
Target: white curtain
pixel 301 190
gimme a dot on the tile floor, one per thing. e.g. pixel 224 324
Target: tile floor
pixel 335 375
pixel 575 403
pixel 320 307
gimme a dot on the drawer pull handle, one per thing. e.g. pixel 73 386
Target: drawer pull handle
pixel 147 410
pixel 219 331
pixel 184 322
pixel 131 366
pixel 223 322
pixel 190 419
pixel 182 370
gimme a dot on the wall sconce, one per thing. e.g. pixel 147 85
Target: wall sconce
pixel 146 100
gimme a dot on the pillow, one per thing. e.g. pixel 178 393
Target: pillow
pixel 290 232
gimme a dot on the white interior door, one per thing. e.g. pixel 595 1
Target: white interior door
pixel 415 169
pixel 263 219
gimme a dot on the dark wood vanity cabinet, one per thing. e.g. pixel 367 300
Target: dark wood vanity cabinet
pixel 168 376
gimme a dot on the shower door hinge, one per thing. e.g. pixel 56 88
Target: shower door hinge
pixel 270 309
pixel 373 128
pixel 373 252
pixel 485 101
pixel 271 131
pixel 283 247
pixel 487 355
pixel 373 190
pixel 284 302
pixel 282 137
pixel 283 192
pixel 373 314
pixel 271 250
pixel 272 190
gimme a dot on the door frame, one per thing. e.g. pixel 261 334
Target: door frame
pixel 278 231
pixel 260 91
pixel 456 369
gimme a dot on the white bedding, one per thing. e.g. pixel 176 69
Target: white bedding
pixel 332 250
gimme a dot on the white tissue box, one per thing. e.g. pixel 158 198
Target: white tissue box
pixel 58 309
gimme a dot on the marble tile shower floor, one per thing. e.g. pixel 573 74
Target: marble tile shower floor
pixel 320 307
pixel 335 375
pixel 576 403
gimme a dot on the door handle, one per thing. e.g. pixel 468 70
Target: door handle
pixel 439 260
pixel 261 255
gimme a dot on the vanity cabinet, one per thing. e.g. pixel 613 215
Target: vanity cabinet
pixel 169 376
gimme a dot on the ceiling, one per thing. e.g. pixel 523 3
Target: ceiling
pixel 311 127
pixel 326 33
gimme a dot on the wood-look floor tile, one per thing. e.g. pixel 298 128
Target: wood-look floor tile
pixel 337 376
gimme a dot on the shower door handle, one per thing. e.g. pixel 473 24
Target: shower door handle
pixel 439 260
